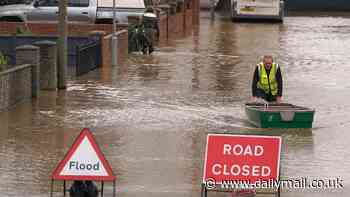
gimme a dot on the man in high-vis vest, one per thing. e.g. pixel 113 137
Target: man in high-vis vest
pixel 267 81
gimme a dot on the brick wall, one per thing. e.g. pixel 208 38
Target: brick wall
pixel 188 20
pixel 122 48
pixel 15 85
pixel 179 20
pixel 51 29
pixel 163 28
pixel 195 12
pixel 180 23
pixel 106 50
pixel 172 26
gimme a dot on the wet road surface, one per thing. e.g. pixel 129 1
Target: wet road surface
pixel 151 115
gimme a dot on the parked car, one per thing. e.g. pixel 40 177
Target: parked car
pixel 7 2
pixel 81 11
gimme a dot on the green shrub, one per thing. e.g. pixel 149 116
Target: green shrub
pixel 23 31
pixel 3 62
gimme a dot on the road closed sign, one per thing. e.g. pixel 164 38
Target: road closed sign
pixel 84 161
pixel 241 158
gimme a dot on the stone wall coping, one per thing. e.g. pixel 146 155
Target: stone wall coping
pixel 97 33
pixel 122 24
pixel 117 33
pixel 45 43
pixel 14 69
pixel 164 6
pixel 27 47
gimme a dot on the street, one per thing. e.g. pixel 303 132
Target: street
pixel 151 116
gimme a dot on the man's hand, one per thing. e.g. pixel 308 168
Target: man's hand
pixel 279 99
pixel 254 99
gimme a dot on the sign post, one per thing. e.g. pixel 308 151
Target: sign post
pixel 241 162
pixel 84 161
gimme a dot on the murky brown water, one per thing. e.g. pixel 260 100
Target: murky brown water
pixel 151 115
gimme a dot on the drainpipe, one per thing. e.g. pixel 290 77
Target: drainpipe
pixel 114 38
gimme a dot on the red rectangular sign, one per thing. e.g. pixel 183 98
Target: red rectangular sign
pixel 241 158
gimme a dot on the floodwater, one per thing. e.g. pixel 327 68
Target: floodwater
pixel 151 116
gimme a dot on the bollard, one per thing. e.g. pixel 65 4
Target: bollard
pixel 97 36
pixel 29 54
pixel 48 64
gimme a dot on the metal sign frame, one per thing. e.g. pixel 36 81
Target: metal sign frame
pixel 65 188
pixel 205 190
pixel 56 173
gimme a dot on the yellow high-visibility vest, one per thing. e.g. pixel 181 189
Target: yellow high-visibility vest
pixel 268 83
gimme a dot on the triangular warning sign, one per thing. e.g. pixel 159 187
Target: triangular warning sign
pixel 84 161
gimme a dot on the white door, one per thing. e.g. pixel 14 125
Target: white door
pixel 44 10
pixel 79 11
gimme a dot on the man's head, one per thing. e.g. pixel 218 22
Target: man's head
pixel 268 60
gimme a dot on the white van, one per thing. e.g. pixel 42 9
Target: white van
pixel 124 9
pixel 258 9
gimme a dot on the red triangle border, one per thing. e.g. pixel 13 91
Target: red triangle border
pixel 84 133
